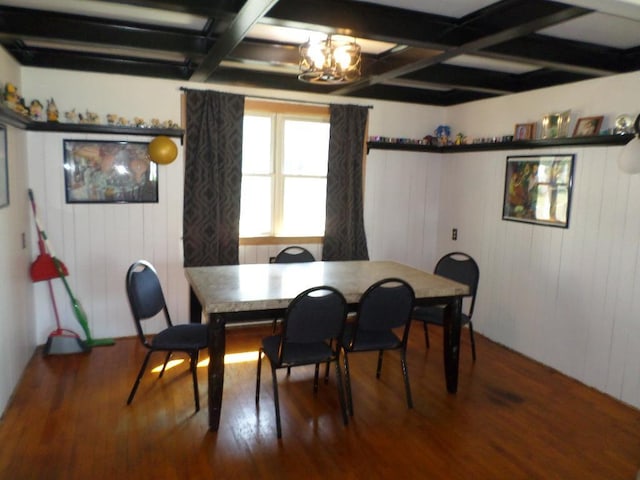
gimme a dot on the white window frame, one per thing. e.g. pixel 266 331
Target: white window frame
pixel 281 112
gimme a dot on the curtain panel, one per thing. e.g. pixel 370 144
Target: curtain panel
pixel 213 177
pixel 344 236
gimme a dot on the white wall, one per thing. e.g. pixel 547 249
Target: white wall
pixel 568 298
pixel 17 341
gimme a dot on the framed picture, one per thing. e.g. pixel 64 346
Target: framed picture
pixel 109 172
pixel 524 131
pixel 537 189
pixel 556 125
pixel 587 126
pixel 4 168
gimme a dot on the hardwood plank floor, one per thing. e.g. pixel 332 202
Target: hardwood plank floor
pixel 511 419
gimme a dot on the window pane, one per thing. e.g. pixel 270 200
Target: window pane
pixel 304 206
pixel 256 145
pixel 255 206
pixel 306 147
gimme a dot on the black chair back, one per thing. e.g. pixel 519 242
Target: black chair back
pixel 462 268
pixel 315 315
pixel 294 254
pixel 145 295
pixel 385 305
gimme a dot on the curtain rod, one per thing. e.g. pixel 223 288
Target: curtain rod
pixel 306 102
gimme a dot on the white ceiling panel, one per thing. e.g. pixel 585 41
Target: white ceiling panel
pixel 599 28
pixel 116 12
pixel 450 8
pixel 474 61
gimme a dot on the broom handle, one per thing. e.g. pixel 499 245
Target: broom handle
pixel 41 246
pixel 78 311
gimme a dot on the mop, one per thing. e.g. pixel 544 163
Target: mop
pixel 61 340
pixel 78 311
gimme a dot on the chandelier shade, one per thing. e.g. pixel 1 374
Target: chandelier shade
pixel 329 61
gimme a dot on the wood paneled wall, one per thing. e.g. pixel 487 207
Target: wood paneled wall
pixel 566 297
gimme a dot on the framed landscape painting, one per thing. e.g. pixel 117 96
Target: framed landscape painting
pixel 109 172
pixel 537 189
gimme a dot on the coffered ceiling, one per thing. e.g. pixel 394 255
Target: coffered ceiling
pixel 421 51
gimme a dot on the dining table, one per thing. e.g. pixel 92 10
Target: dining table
pixel 229 294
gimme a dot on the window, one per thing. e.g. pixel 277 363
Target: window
pixel 284 170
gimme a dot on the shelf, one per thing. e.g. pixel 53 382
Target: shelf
pixel 596 140
pixel 19 121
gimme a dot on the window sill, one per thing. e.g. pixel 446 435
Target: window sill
pixel 280 240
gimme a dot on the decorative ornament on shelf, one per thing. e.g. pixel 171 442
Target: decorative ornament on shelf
pixel 162 150
pixel 52 111
pixel 35 110
pixel 623 124
pixel 442 133
pixel 71 116
pixel 629 159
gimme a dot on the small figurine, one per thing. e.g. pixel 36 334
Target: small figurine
pixel 35 110
pixel 10 94
pixel 52 111
pixel 111 118
pixel 442 133
pixel 139 122
pixel 89 117
pixel 122 122
pixel 155 123
pixel 71 117
pixel 460 139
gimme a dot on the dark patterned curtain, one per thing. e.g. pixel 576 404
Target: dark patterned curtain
pixel 344 236
pixel 212 178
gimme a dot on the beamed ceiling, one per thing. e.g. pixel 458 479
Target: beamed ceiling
pixel 418 51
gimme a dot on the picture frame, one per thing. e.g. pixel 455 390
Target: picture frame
pixel 588 126
pixel 556 125
pixel 537 189
pixel 524 131
pixel 98 171
pixel 4 168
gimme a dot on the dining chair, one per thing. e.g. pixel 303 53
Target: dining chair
pixel 384 306
pixel 462 268
pixel 147 301
pixel 291 254
pixel 311 331
pixel 294 254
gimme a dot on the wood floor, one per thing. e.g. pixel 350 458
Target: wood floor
pixel 511 419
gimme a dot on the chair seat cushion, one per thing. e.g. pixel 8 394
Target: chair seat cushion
pixel 182 337
pixel 296 353
pixel 435 315
pixel 367 340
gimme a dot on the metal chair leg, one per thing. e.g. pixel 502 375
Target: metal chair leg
pixel 134 389
pixel 164 365
pixel 473 341
pixel 258 376
pixel 405 374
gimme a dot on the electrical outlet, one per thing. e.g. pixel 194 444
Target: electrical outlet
pixel 454 234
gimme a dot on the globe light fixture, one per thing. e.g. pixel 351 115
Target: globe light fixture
pixel 329 61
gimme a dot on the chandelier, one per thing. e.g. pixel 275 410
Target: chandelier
pixel 329 61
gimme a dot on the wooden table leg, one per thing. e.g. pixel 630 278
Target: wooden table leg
pixel 216 368
pixel 452 343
